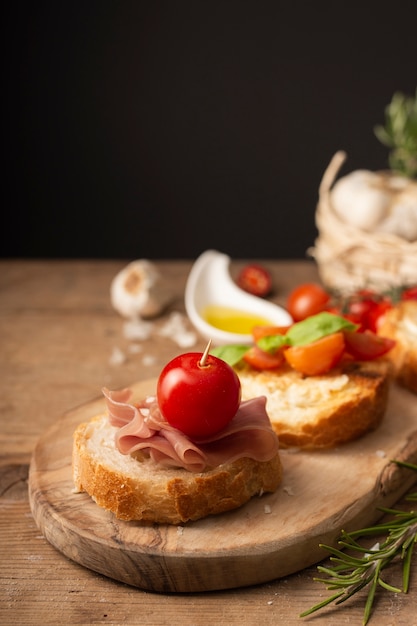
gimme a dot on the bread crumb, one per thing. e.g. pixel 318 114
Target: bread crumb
pixel 180 530
pixel 288 490
pixel 267 509
pixel 381 453
pixel 293 450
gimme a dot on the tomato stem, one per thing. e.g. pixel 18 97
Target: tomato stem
pixel 203 361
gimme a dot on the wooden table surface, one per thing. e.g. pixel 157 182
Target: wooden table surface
pixel 58 337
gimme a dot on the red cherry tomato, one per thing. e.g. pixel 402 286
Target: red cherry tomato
pixel 367 345
pixel 261 360
pixel 318 357
pixel 366 309
pixel 305 300
pixel 256 280
pixel 200 400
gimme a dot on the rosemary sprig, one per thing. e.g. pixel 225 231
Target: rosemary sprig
pixel 400 134
pixel 357 567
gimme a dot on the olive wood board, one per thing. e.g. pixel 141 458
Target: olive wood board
pixel 272 536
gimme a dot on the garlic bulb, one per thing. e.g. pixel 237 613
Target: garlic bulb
pixel 136 291
pixel 402 218
pixel 377 202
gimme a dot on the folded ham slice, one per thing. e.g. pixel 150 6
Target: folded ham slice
pixel 141 427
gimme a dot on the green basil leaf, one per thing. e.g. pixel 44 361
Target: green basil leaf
pixel 317 326
pixel 232 354
pixel 311 329
pixel 272 343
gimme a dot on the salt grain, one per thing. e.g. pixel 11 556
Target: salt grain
pixel 134 348
pixel 176 329
pixel 137 329
pixel 117 357
pixel 149 360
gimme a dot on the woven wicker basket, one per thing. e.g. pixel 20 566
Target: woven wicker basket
pixel 349 258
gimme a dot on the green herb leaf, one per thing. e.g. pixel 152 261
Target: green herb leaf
pixel 317 326
pixel 272 343
pixel 353 573
pixel 232 354
pixel 311 329
pixel 400 134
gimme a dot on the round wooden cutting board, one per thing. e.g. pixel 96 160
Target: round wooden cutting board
pixel 270 537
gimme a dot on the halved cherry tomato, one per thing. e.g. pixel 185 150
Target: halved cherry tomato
pixel 375 315
pixel 365 309
pixel 367 345
pixel 267 331
pixel 305 300
pixel 317 357
pixel 261 360
pixel 256 280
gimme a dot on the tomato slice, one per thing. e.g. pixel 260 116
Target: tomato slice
pixel 261 360
pixel 267 331
pixel 317 357
pixel 367 345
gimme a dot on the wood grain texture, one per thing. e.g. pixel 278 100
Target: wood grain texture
pixel 270 537
pixel 57 331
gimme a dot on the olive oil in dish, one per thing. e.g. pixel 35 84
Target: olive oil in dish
pixel 233 320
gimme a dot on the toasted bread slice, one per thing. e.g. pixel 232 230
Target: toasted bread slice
pixel 140 489
pixel 400 323
pixel 321 411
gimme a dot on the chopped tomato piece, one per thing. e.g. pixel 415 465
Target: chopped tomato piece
pixel 375 315
pixel 317 357
pixel 409 294
pixel 367 345
pixel 261 360
pixel 267 331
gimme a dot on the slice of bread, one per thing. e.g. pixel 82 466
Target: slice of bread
pixel 136 488
pixel 400 323
pixel 321 411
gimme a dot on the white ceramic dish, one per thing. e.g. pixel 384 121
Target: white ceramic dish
pixel 210 284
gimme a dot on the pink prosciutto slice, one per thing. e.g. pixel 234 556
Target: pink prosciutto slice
pixel 141 427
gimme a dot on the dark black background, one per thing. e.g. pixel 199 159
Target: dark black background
pixel 161 129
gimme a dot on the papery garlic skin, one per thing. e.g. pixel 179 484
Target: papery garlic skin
pixel 359 199
pixel 377 202
pixel 131 288
pixel 402 217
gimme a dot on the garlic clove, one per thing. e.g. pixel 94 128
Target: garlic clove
pixel 402 218
pixel 135 291
pixel 361 199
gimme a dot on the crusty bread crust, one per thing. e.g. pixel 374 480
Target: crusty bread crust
pixel 400 323
pixel 139 489
pixel 321 411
